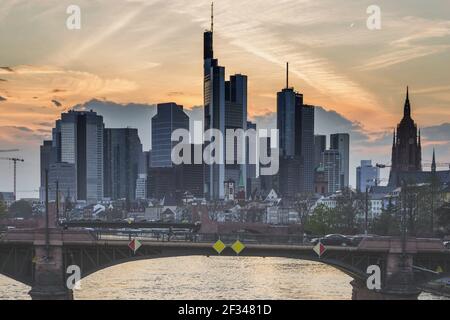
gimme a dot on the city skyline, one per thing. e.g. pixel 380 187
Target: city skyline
pixel 25 118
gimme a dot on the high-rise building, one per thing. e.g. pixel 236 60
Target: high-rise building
pixel 169 118
pixel 253 181
pixel 295 123
pixel 366 175
pixel 62 176
pixel 48 157
pixel 79 140
pixel 307 148
pixel 122 154
pixel 268 182
pixel 320 145
pixel 235 119
pixel 225 106
pixel 341 142
pixel 332 167
pixel 406 146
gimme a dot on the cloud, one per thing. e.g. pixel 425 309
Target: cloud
pixel 31 85
pixel 56 103
pixel 6 70
pixel 425 37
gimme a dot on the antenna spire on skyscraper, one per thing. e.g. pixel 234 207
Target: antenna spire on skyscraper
pixel 212 16
pixel 287 75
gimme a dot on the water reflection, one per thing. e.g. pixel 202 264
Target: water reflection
pixel 209 278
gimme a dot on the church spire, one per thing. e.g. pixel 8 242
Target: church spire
pixel 407 109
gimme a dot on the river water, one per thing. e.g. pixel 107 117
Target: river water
pixel 226 278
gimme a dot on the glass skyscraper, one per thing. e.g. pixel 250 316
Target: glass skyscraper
pixel 79 140
pixel 122 154
pixel 169 118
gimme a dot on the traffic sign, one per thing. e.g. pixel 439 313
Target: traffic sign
pixel 319 248
pixel 134 245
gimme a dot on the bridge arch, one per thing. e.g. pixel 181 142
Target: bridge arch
pixel 92 260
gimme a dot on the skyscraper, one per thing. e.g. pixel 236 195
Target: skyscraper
pixel 122 154
pixel 169 118
pixel 295 122
pixel 165 178
pixel 79 141
pixel 63 175
pixel 47 157
pixel 307 148
pixel 236 118
pixel 366 175
pixel 332 167
pixel 341 142
pixel 320 145
pixel 225 106
pixel 406 145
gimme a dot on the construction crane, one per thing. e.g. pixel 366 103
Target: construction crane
pixel 14 160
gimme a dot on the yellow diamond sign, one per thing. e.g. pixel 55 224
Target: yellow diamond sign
pixel 219 246
pixel 238 247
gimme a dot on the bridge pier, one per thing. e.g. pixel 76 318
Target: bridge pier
pixel 398 281
pixel 49 275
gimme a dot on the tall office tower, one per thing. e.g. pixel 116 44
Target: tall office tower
pixel 169 118
pixel 62 176
pixel 192 175
pixel 268 182
pixel 366 175
pixel 48 157
pixel 332 166
pixel 320 145
pixel 307 148
pixel 253 182
pixel 295 123
pixel 214 111
pixel 164 177
pixel 79 141
pixel 341 142
pixel 122 154
pixel 236 118
pixel 142 180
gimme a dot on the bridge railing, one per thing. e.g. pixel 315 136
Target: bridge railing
pixel 187 236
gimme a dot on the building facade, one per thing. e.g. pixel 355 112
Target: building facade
pixel 341 142
pixel 332 167
pixel 122 156
pixel 367 175
pixel 79 140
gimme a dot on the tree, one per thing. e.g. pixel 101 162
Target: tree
pixel 443 219
pixel 346 211
pixel 21 209
pixel 3 210
pixel 303 204
pixel 322 221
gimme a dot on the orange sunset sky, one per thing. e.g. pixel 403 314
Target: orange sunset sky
pixel 148 52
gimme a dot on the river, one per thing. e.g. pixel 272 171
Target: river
pixel 226 278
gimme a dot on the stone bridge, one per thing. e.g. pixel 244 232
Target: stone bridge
pixel 40 257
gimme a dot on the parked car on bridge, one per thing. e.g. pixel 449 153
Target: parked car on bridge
pixel 333 240
pixel 447 244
